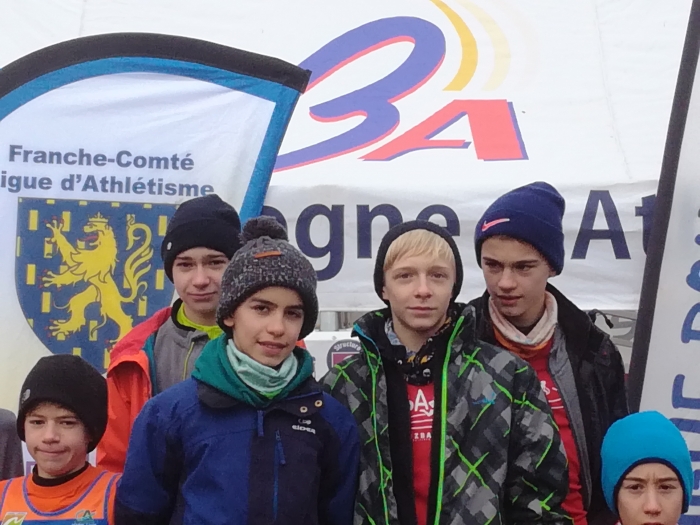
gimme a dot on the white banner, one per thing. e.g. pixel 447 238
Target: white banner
pixel 664 368
pixel 433 109
pixel 418 107
pixel 415 108
pixel 100 139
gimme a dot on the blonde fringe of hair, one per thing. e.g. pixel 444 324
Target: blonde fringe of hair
pixel 416 243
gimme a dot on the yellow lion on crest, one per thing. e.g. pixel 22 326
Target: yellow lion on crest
pixel 95 265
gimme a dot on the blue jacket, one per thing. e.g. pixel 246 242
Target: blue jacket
pixel 198 457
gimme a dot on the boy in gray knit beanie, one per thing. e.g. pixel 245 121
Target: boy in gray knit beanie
pixel 267 260
pixel 251 408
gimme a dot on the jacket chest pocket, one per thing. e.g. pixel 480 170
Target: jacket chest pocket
pixel 296 474
pixel 285 473
pixel 485 408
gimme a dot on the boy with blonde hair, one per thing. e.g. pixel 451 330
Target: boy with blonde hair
pixel 453 430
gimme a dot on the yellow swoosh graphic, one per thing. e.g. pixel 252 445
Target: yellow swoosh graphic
pixel 470 54
pixel 499 41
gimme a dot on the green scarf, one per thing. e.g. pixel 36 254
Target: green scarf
pixel 214 368
pixel 263 379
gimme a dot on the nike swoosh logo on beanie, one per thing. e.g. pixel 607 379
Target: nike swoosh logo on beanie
pixel 487 225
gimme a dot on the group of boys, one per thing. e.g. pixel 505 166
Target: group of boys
pixel 488 412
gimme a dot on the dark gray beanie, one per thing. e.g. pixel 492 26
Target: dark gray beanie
pixel 267 259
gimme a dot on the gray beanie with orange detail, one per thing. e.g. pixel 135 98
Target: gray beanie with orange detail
pixel 267 259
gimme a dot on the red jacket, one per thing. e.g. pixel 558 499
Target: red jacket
pixel 129 386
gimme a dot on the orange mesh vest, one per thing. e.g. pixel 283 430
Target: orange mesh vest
pixel 90 508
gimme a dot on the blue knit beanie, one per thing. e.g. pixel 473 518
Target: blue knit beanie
pixel 531 214
pixel 645 437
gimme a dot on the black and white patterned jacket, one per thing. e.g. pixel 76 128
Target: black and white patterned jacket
pixel 496 456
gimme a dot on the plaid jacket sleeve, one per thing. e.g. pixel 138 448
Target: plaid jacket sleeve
pixel 537 479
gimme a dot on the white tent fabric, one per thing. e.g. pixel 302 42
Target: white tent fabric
pixel 590 84
pixel 463 99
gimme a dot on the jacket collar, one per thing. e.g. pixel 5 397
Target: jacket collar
pixel 306 400
pixel 130 347
pixel 186 330
pixel 370 328
pixel 581 334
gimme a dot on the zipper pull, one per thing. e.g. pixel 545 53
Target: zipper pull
pixel 280 449
pixel 261 430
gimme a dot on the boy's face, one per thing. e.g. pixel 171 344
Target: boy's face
pixel 56 439
pixel 419 290
pixel 266 326
pixel 197 276
pixel 516 277
pixel 650 493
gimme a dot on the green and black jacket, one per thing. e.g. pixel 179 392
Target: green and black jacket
pixel 496 452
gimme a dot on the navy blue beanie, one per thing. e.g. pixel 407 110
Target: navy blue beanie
pixel 531 214
pixel 645 437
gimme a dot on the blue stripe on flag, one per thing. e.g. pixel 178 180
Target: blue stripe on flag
pixel 260 180
pixel 283 97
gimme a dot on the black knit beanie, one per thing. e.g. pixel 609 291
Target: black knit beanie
pixel 206 222
pixel 405 227
pixel 267 259
pixel 71 382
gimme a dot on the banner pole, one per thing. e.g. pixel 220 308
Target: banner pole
pixel 662 209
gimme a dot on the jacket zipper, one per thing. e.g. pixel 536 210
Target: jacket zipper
pixel 584 473
pixel 279 461
pixel 374 421
pixel 187 360
pixel 443 422
pixel 280 458
pixel 261 423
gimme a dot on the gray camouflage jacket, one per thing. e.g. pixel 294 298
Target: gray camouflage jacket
pixel 496 452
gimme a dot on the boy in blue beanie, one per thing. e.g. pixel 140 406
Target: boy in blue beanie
pixel 519 245
pixel 647 471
